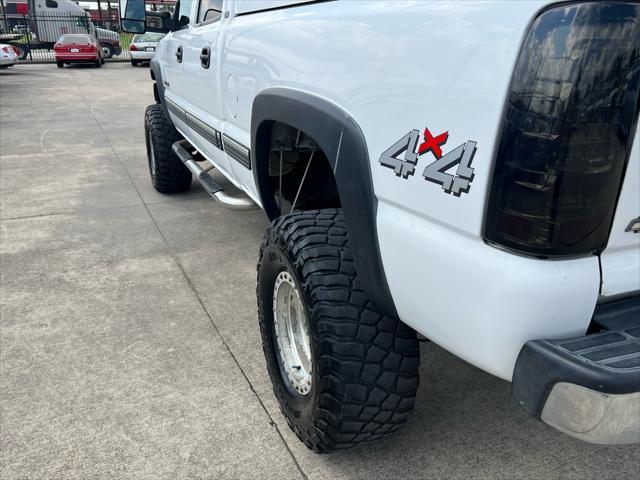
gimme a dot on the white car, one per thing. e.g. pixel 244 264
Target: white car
pixel 8 56
pixel 469 171
pixel 143 47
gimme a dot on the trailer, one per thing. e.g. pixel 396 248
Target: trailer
pixel 45 23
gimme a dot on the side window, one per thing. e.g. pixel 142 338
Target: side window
pixel 184 13
pixel 209 11
pixel 51 4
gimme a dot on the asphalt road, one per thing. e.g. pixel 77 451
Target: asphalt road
pixel 129 341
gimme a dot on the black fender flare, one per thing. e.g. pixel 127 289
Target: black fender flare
pixel 342 141
pixel 156 75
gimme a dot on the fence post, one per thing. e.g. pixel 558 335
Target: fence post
pixel 5 26
pixel 27 32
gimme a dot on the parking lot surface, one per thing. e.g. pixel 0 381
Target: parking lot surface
pixel 129 341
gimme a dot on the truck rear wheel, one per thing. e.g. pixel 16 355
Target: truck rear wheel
pixel 107 50
pixel 342 372
pixel 168 173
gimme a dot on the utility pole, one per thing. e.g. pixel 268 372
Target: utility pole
pixel 100 12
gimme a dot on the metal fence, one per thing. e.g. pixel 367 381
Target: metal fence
pixel 34 35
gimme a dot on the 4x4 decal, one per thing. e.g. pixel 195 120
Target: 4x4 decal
pixel 456 184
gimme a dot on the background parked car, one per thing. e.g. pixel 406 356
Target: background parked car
pixel 8 56
pixel 110 42
pixel 78 48
pixel 143 47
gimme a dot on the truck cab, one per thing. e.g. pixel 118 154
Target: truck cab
pixel 54 18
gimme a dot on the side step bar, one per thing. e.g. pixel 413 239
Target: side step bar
pixel 180 148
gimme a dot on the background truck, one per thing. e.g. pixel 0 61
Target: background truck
pixel 48 20
pixel 468 171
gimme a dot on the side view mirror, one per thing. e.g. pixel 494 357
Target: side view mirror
pixel 132 16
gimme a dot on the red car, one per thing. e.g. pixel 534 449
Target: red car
pixel 78 48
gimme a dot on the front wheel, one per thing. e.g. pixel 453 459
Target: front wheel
pixel 342 372
pixel 168 173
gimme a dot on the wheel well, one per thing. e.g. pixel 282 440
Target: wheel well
pixel 344 148
pixel 300 175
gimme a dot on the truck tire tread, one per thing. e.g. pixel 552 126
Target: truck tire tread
pixel 171 176
pixel 367 362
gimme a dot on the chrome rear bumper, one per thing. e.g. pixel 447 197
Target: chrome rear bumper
pixel 589 386
pixel 592 416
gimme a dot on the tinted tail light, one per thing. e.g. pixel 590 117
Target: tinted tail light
pixel 567 131
pixel 133 47
pixel 5 49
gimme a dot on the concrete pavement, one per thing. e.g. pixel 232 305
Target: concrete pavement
pixel 129 346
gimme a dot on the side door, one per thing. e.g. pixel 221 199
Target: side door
pixel 173 53
pixel 201 67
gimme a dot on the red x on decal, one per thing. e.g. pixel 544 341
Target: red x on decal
pixel 433 143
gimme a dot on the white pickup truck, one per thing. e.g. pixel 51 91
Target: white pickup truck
pixel 468 171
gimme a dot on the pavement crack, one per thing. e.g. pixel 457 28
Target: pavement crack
pixel 80 211
pixel 38 215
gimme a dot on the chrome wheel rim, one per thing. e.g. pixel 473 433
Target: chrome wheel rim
pixel 152 155
pixel 292 333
